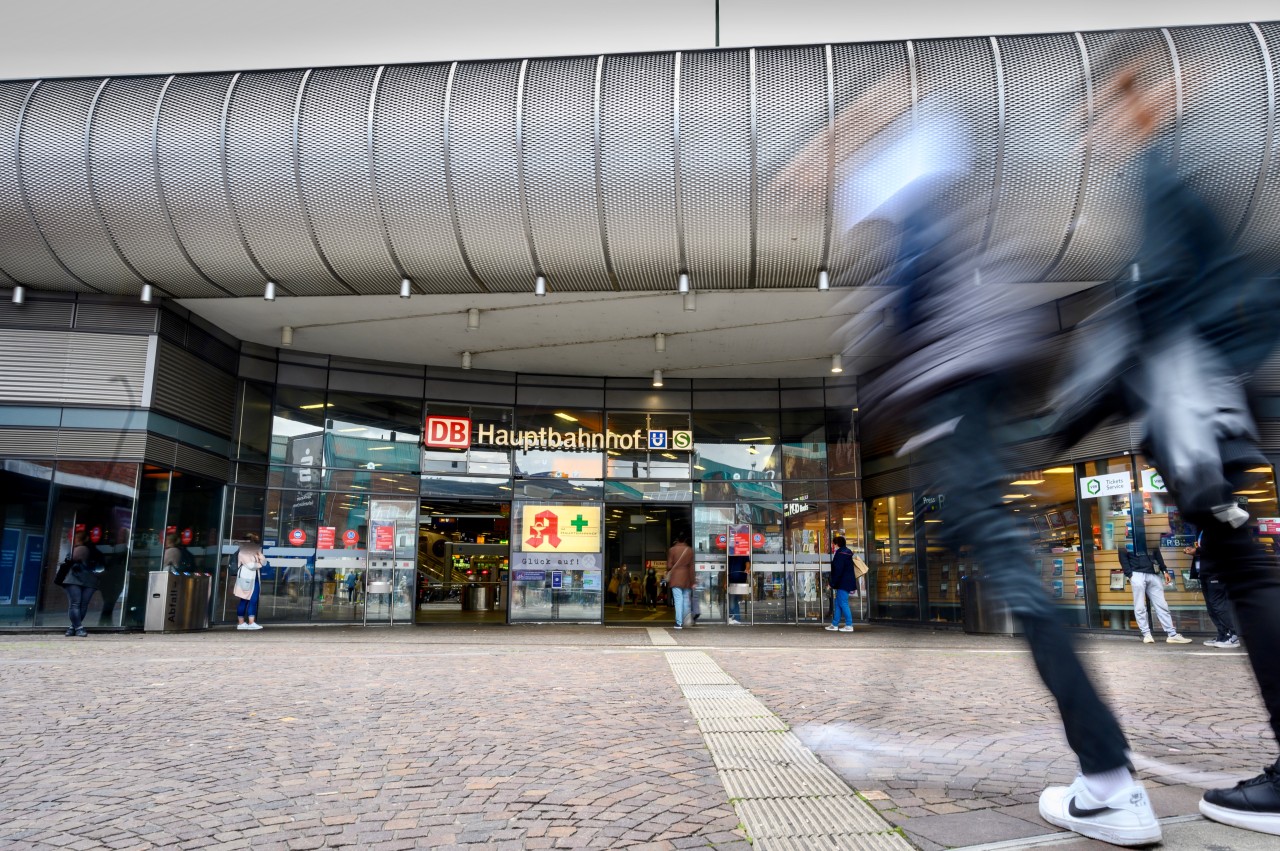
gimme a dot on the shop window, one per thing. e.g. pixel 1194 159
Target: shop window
pixel 469 487
pixel 90 502
pixel 804 445
pixel 253 431
pixel 473 460
pixel 895 590
pixel 1110 522
pixel 1044 501
pixel 842 443
pixel 666 462
pixel 297 427
pixel 24 496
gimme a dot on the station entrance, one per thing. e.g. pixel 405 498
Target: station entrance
pixel 462 566
pixel 637 538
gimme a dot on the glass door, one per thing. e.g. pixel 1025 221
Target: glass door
pixel 557 563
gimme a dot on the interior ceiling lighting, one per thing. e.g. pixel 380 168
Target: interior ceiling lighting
pixel 1015 496
pixel 473 318
pixel 751 450
pixel 568 417
pixel 147 294
pixel 1063 470
pixel 765 439
pixel 682 284
pixel 19 294
pixel 380 448
pixel 540 286
pixel 659 342
pixel 1249 493
pixel 657 378
pixel 837 363
pixel 466 360
pixel 824 280
pixel 315 406
pixel 668 455
pixel 357 428
pixel 690 301
pixel 406 288
pixel 269 293
pixel 286 335
pixel 699 467
pixel 1251 470
pixel 1028 482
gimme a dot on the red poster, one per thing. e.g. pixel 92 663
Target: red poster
pixel 384 535
pixel 186 537
pixel 95 534
pixel 1269 525
pixel 741 538
pixel 326 536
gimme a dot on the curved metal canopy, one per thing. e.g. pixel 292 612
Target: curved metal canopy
pixel 599 173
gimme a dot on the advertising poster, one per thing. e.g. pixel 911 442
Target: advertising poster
pixel 384 537
pixel 8 562
pixel 560 529
pixel 740 540
pixel 32 559
pixel 302 501
pixel 326 537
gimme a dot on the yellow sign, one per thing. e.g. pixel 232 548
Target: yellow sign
pixel 560 529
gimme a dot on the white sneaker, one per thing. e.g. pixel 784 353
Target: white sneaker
pixel 832 628
pixel 253 626
pixel 1126 818
pixel 846 629
pixel 734 622
pixel 243 626
pixel 1147 639
pixel 1177 639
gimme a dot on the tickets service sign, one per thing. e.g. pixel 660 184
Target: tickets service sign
pixel 560 529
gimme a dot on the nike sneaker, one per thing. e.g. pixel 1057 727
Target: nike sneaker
pixel 1126 818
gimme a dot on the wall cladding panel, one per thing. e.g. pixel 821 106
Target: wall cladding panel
pixel 189 387
pixel 66 368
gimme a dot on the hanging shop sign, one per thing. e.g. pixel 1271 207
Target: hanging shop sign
pixel 460 433
pixel 1153 482
pixel 1112 484
pixel 560 529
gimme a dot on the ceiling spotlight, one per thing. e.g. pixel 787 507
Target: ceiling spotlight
pixel 690 301
pixel 286 335
pixel 837 364
pixel 147 294
pixel 473 319
pixel 269 294
pixel 657 378
pixel 540 286
pixel 682 286
pixel 824 280
pixel 19 294
pixel 659 342
pixel 466 360
pixel 406 288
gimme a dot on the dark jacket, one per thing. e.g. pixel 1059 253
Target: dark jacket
pixel 843 577
pixel 1149 562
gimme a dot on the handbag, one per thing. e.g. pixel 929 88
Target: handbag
pixel 860 568
pixel 64 570
pixel 246 578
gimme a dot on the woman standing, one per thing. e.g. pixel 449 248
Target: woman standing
pixel 251 561
pixel 680 577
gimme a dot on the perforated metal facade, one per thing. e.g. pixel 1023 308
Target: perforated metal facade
pixel 603 173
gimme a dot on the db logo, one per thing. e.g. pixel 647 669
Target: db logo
pixel 297 537
pixel 447 432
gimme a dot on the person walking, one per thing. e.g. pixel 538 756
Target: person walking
pixel 843 580
pixel 624 586
pixel 249 582
pixel 1215 599
pixel 80 582
pixel 680 578
pixel 1148 574
pixel 651 588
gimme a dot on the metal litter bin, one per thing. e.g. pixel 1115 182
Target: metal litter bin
pixel 477 597
pixel 177 602
pixel 983 612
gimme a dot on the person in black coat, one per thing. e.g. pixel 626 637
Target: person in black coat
pixel 843 581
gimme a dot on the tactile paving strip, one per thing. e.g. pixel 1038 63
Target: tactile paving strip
pixel 787 799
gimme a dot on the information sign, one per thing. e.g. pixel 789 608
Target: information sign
pixel 1269 525
pixel 1110 484
pixel 326 537
pixel 1153 482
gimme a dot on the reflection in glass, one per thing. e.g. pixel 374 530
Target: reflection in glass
pixel 895 591
pixel 24 496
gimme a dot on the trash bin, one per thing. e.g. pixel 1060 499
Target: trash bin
pixel 477 597
pixel 983 612
pixel 177 602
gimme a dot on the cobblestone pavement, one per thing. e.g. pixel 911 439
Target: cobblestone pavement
pixel 560 737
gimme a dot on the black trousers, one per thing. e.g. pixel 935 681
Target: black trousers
pixel 964 466
pixel 1215 600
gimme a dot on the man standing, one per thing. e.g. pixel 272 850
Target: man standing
pixel 680 577
pixel 1215 599
pixel 1148 574
pixel 843 580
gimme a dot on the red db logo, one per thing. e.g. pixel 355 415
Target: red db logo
pixel 447 432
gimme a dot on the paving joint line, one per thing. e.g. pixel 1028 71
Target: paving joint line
pixel 1058 838
pixel 783 794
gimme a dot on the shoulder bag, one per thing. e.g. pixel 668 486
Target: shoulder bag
pixel 245 579
pixel 64 569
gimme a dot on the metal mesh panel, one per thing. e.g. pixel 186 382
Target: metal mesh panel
pixel 872 87
pixel 23 254
pixel 409 162
pixel 189 157
pixel 560 172
pixel 637 169
pixel 1259 234
pixel 1224 116
pixel 1106 233
pixel 791 112
pixel 122 165
pixel 715 166
pixel 333 161
pixel 961 73
pixel 1043 159
pixel 55 172
pixel 264 188
pixel 483 154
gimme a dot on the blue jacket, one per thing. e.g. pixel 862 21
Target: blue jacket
pixel 843 577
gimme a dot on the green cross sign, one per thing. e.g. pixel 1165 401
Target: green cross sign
pixel 579 524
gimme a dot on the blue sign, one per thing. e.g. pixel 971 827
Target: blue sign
pixel 530 576
pixel 557 579
pixel 32 559
pixel 657 439
pixel 8 562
